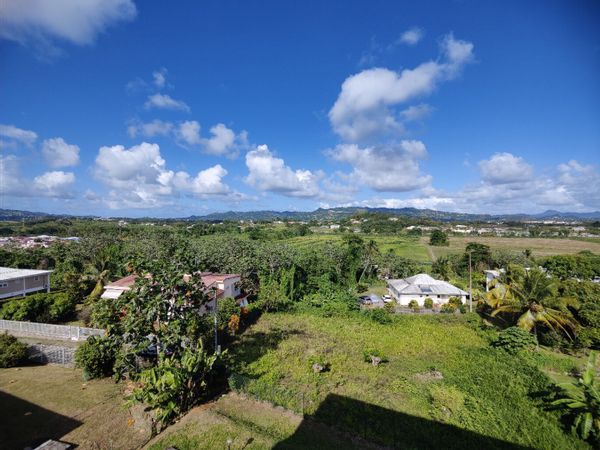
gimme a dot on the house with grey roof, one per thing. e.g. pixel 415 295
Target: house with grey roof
pixel 18 282
pixel 422 286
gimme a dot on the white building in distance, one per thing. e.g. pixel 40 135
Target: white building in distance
pixel 422 286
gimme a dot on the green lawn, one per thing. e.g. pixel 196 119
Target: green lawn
pixel 485 399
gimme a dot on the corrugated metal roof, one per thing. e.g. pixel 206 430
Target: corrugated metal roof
pixel 10 273
pixel 423 284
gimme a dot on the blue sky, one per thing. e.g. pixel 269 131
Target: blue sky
pixel 122 108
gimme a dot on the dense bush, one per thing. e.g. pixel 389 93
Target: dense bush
pixel 413 304
pixel 175 384
pixel 448 308
pixel 514 339
pixel 428 303
pixel 438 238
pixel 12 351
pixel 379 315
pixel 44 307
pixel 96 357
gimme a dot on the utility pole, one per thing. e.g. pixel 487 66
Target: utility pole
pixel 217 349
pixel 470 284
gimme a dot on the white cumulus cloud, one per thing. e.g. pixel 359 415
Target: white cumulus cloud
pixel 365 104
pixel 149 129
pixel 58 153
pixel 26 137
pixel 269 173
pixel 138 177
pixel 411 36
pixel 393 167
pixel 504 168
pixel 164 101
pixel 38 22
pixel 54 184
pixel 188 133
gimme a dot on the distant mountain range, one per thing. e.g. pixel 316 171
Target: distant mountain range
pixel 339 213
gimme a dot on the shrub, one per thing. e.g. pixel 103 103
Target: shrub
pixel 44 307
pixel 96 357
pixel 379 315
pixel 447 401
pixel 448 308
pixel 390 307
pixel 12 351
pixel 439 238
pixel 413 304
pixel 371 353
pixel 428 303
pixel 514 339
pixel 175 384
pixel 455 301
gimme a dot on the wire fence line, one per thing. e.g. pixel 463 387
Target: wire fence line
pixel 48 330
pixel 51 354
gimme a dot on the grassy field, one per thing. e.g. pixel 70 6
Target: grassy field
pixel 404 246
pixel 483 400
pixel 249 425
pixel 43 402
pixel 539 246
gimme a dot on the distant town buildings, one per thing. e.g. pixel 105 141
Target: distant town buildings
pixel 41 241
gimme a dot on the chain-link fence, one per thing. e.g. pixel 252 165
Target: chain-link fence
pixel 51 354
pixel 49 331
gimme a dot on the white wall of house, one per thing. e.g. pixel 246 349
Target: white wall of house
pixel 405 299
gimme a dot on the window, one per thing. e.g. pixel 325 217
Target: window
pixel 36 278
pixel 3 285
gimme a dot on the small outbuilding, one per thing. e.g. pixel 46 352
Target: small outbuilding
pixel 422 286
pixel 19 282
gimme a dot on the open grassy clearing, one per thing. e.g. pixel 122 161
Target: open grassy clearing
pixel 483 400
pixel 43 402
pixel 251 425
pixel 539 246
pixel 403 246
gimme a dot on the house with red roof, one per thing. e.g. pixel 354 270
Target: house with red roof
pixel 217 285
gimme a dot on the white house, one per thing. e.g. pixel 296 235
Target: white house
pixel 491 275
pixel 14 282
pixel 422 286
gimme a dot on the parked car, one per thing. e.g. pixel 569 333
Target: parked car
pixel 387 298
pixel 364 300
pixel 375 298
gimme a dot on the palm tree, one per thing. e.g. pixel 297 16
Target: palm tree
pixel 532 300
pixel 371 250
pixel 581 401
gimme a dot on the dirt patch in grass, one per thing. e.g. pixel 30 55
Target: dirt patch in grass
pixel 43 402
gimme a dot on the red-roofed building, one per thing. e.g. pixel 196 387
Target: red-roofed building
pixel 222 284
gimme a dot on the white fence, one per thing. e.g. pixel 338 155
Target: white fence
pixel 49 331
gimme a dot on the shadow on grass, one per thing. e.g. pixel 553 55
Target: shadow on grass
pixel 384 427
pixel 24 424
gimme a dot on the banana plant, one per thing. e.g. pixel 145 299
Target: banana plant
pixel 581 402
